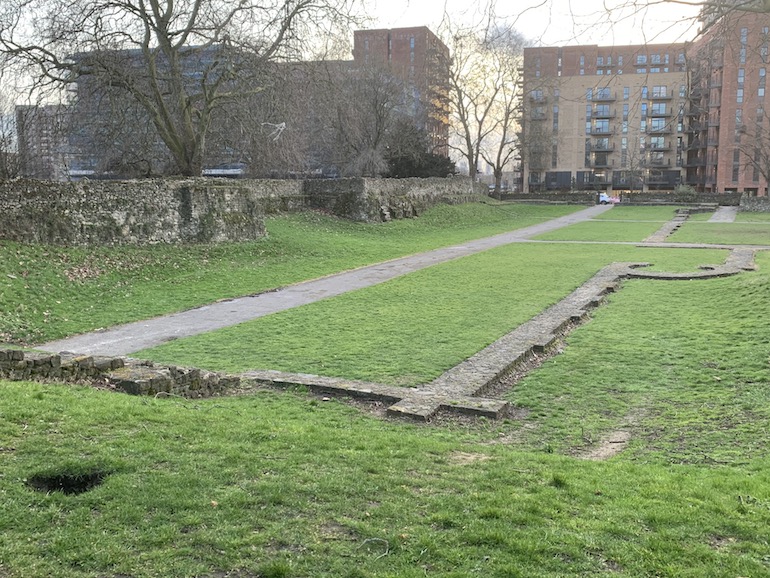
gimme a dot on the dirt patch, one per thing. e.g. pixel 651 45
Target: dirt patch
pixel 466 459
pixel 611 445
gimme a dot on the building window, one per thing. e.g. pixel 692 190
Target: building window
pixel 624 127
pixel 739 96
pixel 641 71
pixel 658 109
pixel 641 59
pixel 626 93
pixel 741 77
pixel 682 91
pixel 655 59
pixel 603 93
pixel 659 92
pixel 680 58
pixel 555 119
pixel 599 61
pixel 599 72
pixel 554 156
pixel 644 93
pixel 654 69
pixel 625 112
pixel 609 61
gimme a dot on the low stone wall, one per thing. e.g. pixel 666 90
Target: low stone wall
pixel 755 204
pixel 127 212
pixel 203 210
pixel 371 200
pixel 673 198
pixel 571 198
pixel 129 375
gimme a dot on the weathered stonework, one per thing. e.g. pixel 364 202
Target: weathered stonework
pixel 755 204
pixel 132 376
pixel 202 210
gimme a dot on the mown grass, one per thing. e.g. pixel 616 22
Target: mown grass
pixel 284 484
pixel 723 233
pixel 620 224
pixel 638 213
pixel 412 329
pixel 50 292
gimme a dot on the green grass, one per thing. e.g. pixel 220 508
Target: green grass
pixel 50 292
pixel 683 364
pixel 604 231
pixel 410 330
pixel 638 213
pixel 723 233
pixel 284 484
pixel 749 217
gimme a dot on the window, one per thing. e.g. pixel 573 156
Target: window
pixel 741 77
pixel 739 96
pixel 644 109
pixel 555 118
pixel 589 111
pixel 625 112
pixel 658 109
pixel 657 142
pixel 654 69
pixel 644 93
pixel 658 124
pixel 620 61
pixel 659 91
pixel 602 110
pixel 624 126
pixel 554 156
pixel 589 94
pixel 641 71
pixel 599 72
pixel 682 91
pixel 655 59
pixel 609 61
pixel 603 93
pixel 626 93
pixel 601 126
pixel 582 61
pixel 599 61
pixel 641 59
pixel 680 58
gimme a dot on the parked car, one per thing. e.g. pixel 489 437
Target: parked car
pixel 605 199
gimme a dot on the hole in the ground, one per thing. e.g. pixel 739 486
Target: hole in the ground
pixel 67 483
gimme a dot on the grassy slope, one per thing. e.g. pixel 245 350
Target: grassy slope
pixel 410 330
pixel 50 292
pixel 280 484
pixel 284 485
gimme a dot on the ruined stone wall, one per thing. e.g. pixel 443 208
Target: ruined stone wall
pixel 202 210
pixel 371 200
pixel 132 376
pixel 755 204
pixel 680 198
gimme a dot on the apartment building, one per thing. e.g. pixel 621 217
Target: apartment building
pixel 420 59
pixel 650 117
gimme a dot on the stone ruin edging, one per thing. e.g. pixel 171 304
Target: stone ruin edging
pixel 458 390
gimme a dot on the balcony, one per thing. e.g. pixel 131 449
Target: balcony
pixel 656 162
pixel 538 116
pixel 604 97
pixel 602 148
pixel 659 96
pixel 658 130
pixel 603 114
pixel 599 131
pixel 601 163
pixel 696 162
pixel 666 146
pixel 660 114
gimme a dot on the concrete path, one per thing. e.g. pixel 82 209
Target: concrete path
pixel 724 215
pixel 132 337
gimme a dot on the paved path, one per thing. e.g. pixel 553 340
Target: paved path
pixel 724 215
pixel 132 337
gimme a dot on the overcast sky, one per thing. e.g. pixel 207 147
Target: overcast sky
pixel 554 22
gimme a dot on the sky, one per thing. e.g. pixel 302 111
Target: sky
pixel 554 22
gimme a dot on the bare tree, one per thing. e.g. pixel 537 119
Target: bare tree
pixel 178 60
pixel 483 76
pixel 9 153
pixel 504 48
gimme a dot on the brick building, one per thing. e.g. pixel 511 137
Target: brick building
pixel 650 116
pixel 421 60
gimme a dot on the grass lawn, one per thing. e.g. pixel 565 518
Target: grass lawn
pixel 410 330
pixel 638 213
pixel 281 484
pixel 723 233
pixel 50 292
